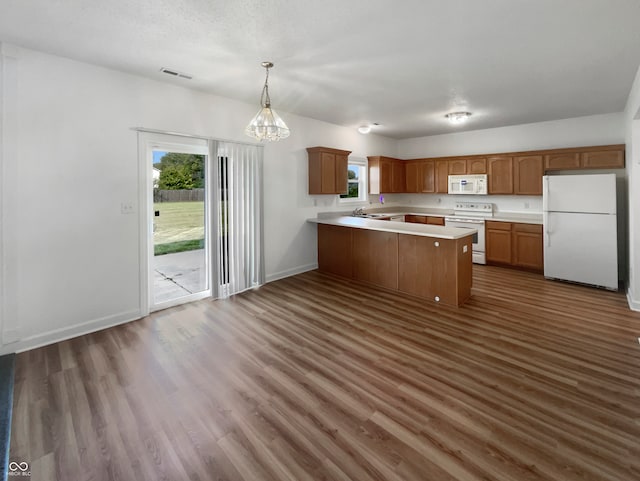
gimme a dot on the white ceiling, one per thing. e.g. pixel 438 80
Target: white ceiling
pixel 403 63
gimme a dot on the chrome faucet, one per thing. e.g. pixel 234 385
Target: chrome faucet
pixel 358 211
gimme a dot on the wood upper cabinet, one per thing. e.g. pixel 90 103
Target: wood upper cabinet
pixel 500 174
pixel 457 167
pixel 463 166
pixel 511 173
pixel 419 176
pixel 527 174
pixel 602 159
pixel 412 176
pixel 562 161
pixel 327 170
pixel 427 173
pixel 386 175
pixel 514 244
pixel 477 166
pixel 398 176
pixel 442 176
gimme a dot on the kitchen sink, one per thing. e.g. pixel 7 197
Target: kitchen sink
pixel 371 216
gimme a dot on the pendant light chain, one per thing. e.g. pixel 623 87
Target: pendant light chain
pixel 265 91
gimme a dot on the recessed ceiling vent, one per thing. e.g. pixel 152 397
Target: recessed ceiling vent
pixel 175 73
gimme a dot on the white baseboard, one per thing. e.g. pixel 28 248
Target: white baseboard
pixel 291 272
pixel 634 304
pixel 65 333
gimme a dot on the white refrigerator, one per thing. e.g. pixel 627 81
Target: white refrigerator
pixel 580 229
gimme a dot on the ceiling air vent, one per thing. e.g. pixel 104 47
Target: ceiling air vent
pixel 175 73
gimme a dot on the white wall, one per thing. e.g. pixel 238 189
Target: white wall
pixel 575 132
pixel 632 134
pixel 70 258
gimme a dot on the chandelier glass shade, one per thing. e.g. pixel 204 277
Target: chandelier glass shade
pixel 267 124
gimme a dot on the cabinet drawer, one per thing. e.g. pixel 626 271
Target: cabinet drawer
pixel 534 228
pixel 497 225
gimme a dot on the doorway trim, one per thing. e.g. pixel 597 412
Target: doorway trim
pixel 147 142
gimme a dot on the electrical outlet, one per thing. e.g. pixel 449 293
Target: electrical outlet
pixel 526 205
pixel 126 208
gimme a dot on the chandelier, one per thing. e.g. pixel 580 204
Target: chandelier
pixel 267 124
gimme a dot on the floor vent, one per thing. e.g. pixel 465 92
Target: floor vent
pixel 175 73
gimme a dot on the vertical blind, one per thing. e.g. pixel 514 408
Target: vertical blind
pixel 238 219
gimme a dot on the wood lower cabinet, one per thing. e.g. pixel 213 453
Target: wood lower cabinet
pixel 334 250
pixel 527 246
pixel 327 170
pixel 514 244
pixel 498 242
pixel 424 219
pixel 375 257
pixel 436 269
pixel 428 267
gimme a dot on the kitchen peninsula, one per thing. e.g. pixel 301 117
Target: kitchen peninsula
pixel 427 261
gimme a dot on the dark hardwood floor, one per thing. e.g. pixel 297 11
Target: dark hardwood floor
pixel 317 378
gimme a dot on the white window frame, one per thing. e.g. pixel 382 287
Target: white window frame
pixel 363 183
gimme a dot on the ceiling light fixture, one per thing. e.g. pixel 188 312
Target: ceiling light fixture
pixel 267 124
pixel 458 117
pixel 364 129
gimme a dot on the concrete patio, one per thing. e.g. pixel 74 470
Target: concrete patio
pixel 178 275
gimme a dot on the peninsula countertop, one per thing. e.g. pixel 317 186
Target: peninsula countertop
pixel 424 230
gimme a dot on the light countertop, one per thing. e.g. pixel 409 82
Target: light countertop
pixel 424 230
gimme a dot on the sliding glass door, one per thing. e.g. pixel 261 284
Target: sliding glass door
pixel 202 227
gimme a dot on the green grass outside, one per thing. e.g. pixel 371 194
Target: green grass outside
pixel 179 246
pixel 180 227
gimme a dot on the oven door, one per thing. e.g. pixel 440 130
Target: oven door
pixel 478 246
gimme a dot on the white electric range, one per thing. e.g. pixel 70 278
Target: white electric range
pixel 471 215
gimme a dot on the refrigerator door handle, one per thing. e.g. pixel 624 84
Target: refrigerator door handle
pixel 548 236
pixel 545 192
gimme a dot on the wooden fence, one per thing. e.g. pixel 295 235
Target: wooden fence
pixel 183 195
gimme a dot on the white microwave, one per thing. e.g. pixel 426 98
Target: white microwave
pixel 475 184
